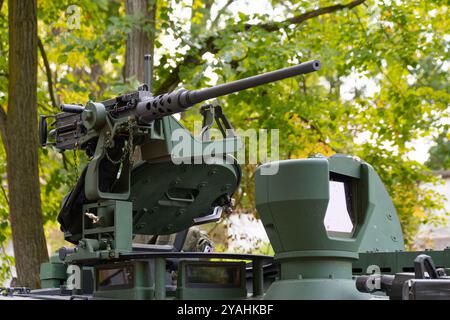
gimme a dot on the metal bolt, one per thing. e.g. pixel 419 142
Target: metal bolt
pixel 140 226
pixel 180 212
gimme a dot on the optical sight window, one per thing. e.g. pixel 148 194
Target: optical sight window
pixel 110 278
pixel 340 215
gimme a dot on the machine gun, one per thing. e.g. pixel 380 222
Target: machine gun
pixel 426 282
pixel 79 127
pixel 158 196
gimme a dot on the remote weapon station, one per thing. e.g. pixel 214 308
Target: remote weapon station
pixel 330 221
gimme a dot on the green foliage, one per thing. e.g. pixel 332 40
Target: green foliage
pixel 415 205
pixel 440 153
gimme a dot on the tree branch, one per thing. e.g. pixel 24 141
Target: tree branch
pixel 380 69
pixel 220 12
pixel 273 26
pixel 5 195
pixel 48 73
pixel 3 127
pixel 193 57
pixel 322 138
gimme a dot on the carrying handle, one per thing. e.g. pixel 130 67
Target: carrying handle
pixel 422 264
pixel 189 200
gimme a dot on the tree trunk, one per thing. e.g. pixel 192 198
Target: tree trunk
pixel 139 42
pixel 30 248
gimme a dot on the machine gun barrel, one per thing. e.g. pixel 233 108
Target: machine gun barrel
pixel 156 107
pixel 200 95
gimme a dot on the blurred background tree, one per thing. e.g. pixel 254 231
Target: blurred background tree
pixel 439 158
pixel 383 87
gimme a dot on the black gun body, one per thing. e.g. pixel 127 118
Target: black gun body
pixel 69 126
pixel 68 130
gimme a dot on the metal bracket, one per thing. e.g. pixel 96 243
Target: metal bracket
pixel 215 216
pixel 213 112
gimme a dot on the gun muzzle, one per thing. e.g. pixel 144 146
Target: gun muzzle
pixel 71 108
